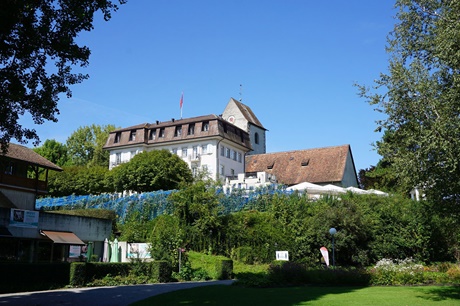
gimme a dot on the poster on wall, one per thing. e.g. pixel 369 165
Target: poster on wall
pixel 74 251
pixel 138 250
pixel 24 218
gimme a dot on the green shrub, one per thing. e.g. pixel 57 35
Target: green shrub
pixel 139 267
pixel 160 271
pixel 287 273
pixel 397 272
pixel 454 274
pixel 216 267
pixel 249 279
pixel 243 254
pixel 338 276
pixel 224 269
pixel 77 274
pixel 200 275
pixel 18 277
pixel 185 273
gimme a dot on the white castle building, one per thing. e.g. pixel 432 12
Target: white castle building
pixel 214 144
pixel 232 148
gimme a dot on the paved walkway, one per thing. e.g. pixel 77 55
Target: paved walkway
pixel 104 296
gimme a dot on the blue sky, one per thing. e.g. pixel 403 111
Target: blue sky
pixel 297 62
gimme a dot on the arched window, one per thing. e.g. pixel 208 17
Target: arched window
pixel 256 138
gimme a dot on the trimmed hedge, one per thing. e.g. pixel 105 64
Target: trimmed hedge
pixel 224 269
pixel 85 272
pixel 77 274
pixel 82 273
pixel 17 277
pixel 161 271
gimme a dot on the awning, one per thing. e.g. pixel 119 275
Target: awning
pixel 63 237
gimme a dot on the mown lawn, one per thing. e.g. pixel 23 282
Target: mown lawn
pixel 309 295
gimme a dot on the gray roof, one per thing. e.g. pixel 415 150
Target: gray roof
pixel 248 113
pixel 218 127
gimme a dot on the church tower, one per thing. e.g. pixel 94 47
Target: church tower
pixel 243 117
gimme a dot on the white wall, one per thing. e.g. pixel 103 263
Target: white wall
pixel 209 158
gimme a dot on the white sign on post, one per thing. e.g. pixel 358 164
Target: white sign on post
pixel 282 255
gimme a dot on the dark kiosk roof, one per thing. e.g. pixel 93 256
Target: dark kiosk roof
pixel 25 154
pixel 320 165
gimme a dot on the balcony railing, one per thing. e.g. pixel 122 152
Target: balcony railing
pixel 23 183
pixel 194 157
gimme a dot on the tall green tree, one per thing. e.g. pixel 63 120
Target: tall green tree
pixel 420 96
pixel 37 52
pixel 54 151
pixel 151 171
pixel 86 143
pixel 79 180
pixel 381 177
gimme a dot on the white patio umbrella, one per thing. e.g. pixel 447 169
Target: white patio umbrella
pixel 334 189
pixel 378 192
pixel 114 253
pixel 308 187
pixel 105 256
pixel 357 190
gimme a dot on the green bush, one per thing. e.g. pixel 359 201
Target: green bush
pixel 33 276
pixel 216 267
pixel 160 271
pixel 77 274
pixel 454 274
pixel 224 269
pixel 397 272
pixel 244 254
pixel 287 273
pixel 250 279
pixel 338 276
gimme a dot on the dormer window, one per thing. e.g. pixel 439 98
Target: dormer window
pixel 152 134
pixel 270 166
pixel 256 138
pixel 178 131
pixel 305 162
pixel 117 137
pixel 205 126
pixel 132 135
pixel 191 129
pixel 162 133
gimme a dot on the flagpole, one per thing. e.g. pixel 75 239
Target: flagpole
pixel 181 103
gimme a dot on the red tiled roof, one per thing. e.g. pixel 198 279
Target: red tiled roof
pixel 22 153
pixel 321 165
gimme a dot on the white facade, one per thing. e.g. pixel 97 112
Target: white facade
pixel 217 158
pixel 249 181
pixel 212 146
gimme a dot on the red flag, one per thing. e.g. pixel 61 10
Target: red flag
pixel 181 100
